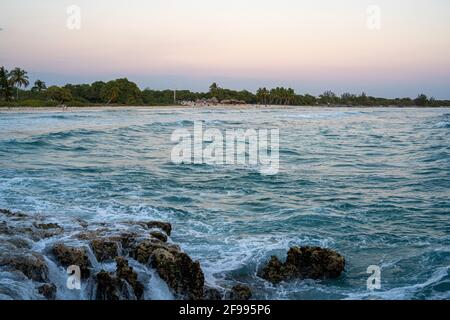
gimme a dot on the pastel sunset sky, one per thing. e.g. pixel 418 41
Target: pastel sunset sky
pixel 311 46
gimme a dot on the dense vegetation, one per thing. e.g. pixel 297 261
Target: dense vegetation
pixel 14 84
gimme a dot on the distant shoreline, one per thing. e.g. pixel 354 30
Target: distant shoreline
pixel 123 92
pixel 221 107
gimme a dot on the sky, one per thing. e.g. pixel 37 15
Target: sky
pixel 390 48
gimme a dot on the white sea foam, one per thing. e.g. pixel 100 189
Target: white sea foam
pixel 405 292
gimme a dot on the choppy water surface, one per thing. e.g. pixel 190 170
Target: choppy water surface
pixel 373 184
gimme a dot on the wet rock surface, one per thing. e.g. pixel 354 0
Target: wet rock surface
pixel 145 242
pixel 107 286
pixel 126 273
pixel 120 285
pixel 304 263
pixel 183 275
pixel 33 265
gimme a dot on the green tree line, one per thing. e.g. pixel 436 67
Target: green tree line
pixel 15 90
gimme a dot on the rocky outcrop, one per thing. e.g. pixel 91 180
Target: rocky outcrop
pixel 182 275
pixel 144 241
pixel 68 256
pixel 123 284
pixel 304 263
pixel 32 265
pixel 316 263
pixel 139 244
pixel 48 290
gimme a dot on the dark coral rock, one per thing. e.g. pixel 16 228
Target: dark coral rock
pixel 240 292
pixel 48 290
pixel 126 273
pixel 10 214
pixel 274 271
pixel 46 226
pixel 68 256
pixel 305 263
pixel 144 250
pixel 176 268
pixel 20 243
pixel 104 250
pixel 164 226
pixel 33 266
pixel 159 235
pixel 182 275
pixel 108 287
pixel 316 263
pixel 123 285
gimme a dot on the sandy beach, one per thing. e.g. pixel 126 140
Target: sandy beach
pixel 106 108
pixel 196 108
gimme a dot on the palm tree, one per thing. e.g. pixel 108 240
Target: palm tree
pixel 111 92
pixel 274 96
pixel 263 96
pixel 213 89
pixel 19 78
pixel 39 86
pixel 421 100
pixel 5 84
pixel 290 96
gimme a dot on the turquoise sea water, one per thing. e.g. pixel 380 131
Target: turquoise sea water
pixel 373 184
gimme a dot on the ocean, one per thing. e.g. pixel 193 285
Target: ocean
pixel 370 183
